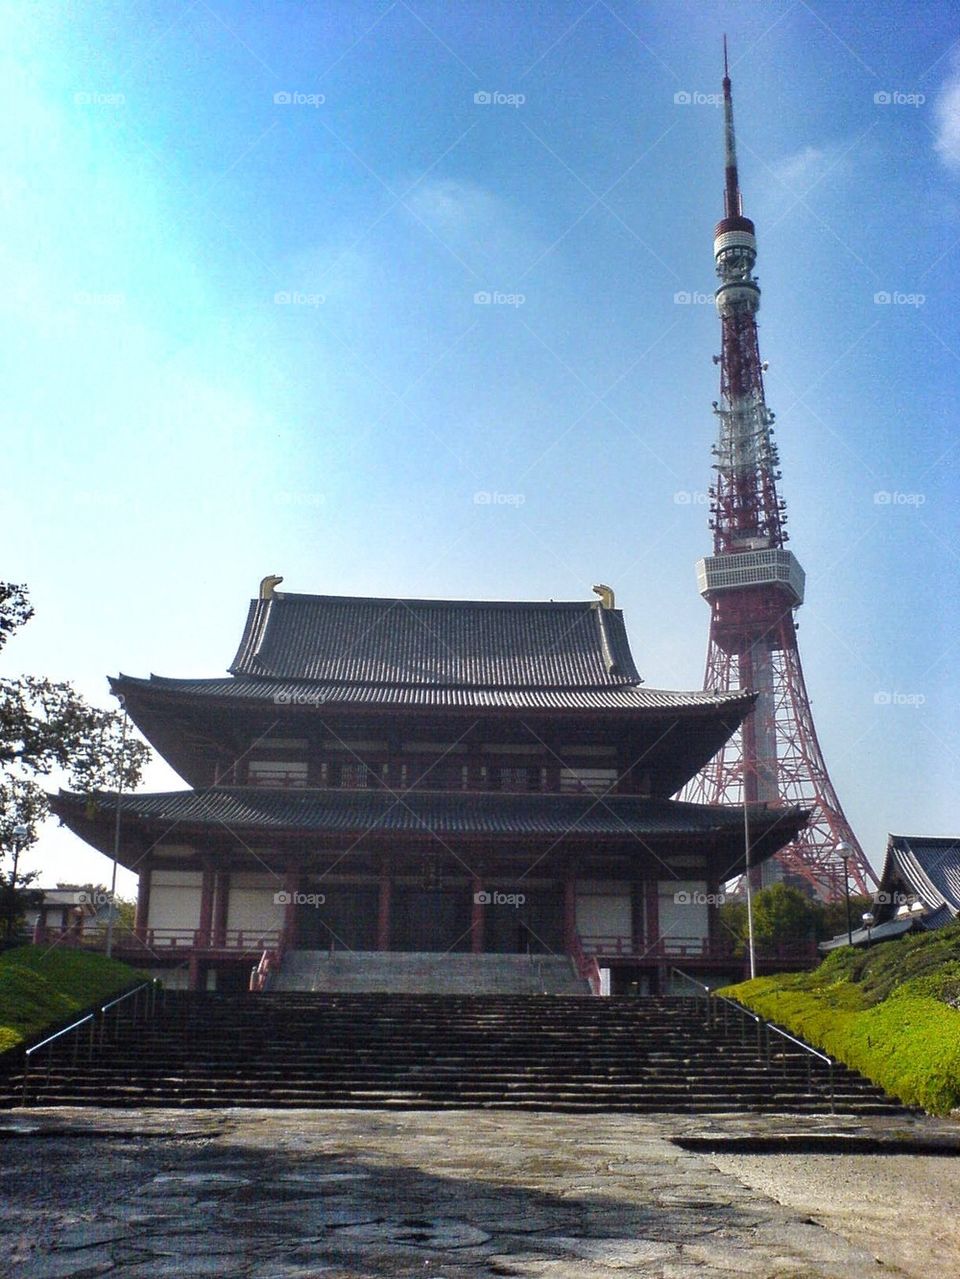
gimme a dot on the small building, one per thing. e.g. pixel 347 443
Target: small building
pixel 919 890
pixel 69 912
pixel 422 775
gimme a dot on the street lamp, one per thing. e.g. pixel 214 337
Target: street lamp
pixel 845 852
pixel 20 833
pixel 869 919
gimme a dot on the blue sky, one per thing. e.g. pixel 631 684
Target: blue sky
pixel 240 334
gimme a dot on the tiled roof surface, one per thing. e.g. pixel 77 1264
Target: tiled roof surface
pixel 442 813
pixel 436 643
pixel 931 865
pixel 285 692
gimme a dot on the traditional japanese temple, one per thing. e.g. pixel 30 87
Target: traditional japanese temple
pixel 429 776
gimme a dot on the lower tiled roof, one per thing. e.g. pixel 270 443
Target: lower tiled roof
pixel 357 812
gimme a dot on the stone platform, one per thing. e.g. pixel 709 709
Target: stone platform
pixel 458 1195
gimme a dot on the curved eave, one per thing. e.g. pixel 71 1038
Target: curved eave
pixel 304 820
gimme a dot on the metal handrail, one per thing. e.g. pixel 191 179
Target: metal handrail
pixel 764 1028
pixel 96 1019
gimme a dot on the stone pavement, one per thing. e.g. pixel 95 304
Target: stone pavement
pixel 386 1195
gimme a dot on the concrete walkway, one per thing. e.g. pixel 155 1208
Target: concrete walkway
pixel 386 1195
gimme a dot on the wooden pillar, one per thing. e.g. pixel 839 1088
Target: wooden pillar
pixel 477 914
pixel 570 909
pixel 206 907
pixel 383 906
pixel 651 911
pixel 291 887
pixel 221 908
pixel 143 902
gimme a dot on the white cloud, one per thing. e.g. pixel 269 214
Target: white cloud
pixel 803 168
pixel 947 112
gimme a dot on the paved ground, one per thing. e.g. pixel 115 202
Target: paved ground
pixel 387 1195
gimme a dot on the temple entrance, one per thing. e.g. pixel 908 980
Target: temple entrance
pixel 533 926
pixel 345 918
pixel 430 918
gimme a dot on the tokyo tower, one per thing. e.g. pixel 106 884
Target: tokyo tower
pixel 754 587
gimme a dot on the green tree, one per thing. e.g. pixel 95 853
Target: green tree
pixel 47 727
pixel 783 916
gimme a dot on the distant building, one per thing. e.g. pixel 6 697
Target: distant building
pixel 919 889
pixel 69 910
pixel 429 776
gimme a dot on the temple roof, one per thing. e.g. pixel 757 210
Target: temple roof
pixel 359 814
pixel 463 644
pixel 927 865
pixel 288 692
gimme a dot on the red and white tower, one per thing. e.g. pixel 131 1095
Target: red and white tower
pixel 754 587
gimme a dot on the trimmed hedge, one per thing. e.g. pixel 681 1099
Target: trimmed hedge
pixel 883 1012
pixel 42 988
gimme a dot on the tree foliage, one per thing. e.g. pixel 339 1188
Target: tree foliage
pixel 46 727
pixel 786 916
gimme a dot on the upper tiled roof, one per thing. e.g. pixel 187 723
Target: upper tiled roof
pixel 464 644
pixel 309 693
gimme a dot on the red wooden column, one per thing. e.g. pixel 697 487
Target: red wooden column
pixel 221 907
pixel 477 913
pixel 142 916
pixel 570 909
pixel 291 887
pixel 206 907
pixel 651 911
pixel 383 906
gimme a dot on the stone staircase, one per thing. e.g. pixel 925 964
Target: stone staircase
pixel 433 1052
pixel 428 973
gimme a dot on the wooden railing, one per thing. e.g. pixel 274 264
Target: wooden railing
pixel 162 941
pixel 718 951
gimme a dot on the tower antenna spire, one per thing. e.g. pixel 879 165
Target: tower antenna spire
pixel 733 205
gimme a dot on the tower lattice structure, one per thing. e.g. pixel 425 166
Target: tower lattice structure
pixel 754 587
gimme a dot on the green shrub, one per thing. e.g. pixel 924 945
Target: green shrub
pixel 42 987
pixel 881 1011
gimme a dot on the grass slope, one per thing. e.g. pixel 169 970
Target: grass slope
pixel 42 988
pixel 885 1012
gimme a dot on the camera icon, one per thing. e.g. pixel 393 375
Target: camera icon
pixel 882 699
pixel 682 898
pixel 882 99
pixel 482 898
pixel 682 298
pixel 282 898
pixel 482 298
pixel 682 99
pixel 882 298
pixel 282 99
pixel 483 99
pixel 882 498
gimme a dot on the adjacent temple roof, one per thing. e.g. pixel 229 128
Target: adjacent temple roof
pixel 927 866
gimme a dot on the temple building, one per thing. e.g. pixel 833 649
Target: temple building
pixel 428 776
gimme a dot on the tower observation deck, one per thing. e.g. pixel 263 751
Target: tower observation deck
pixel 754 585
